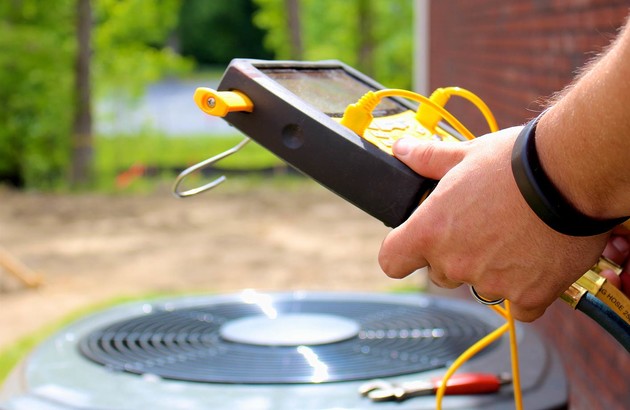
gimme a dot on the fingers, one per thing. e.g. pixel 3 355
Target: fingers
pixel 617 249
pixel 430 159
pixel 524 306
pixel 485 297
pixel 625 282
pixel 398 256
pixel 401 255
pixel 402 250
pixel 526 314
pixel 611 277
pixel 441 280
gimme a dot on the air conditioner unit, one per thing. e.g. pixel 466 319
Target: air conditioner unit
pixel 275 351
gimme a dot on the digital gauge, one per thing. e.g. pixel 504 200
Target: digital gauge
pixel 294 109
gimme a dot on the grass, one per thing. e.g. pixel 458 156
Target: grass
pixel 121 159
pixel 13 354
pixel 154 149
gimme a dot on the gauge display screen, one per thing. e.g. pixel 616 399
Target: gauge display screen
pixel 329 90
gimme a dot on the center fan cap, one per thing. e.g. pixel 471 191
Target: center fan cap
pixel 293 329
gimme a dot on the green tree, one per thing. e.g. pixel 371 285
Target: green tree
pixel 214 32
pixel 374 36
pixel 130 44
pixel 393 37
pixel 82 142
pixel 37 55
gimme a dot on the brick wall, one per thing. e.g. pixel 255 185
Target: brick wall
pixel 513 54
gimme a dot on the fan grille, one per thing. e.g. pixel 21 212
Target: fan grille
pixel 186 344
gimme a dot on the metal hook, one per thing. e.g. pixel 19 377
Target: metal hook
pixel 202 165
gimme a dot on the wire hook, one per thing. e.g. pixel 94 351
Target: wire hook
pixel 202 165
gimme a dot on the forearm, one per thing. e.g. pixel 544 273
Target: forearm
pixel 584 141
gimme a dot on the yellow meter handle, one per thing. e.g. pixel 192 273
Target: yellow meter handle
pixel 220 103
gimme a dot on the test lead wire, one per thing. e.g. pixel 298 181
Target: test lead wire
pixel 358 117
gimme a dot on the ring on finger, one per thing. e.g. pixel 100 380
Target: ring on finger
pixel 482 300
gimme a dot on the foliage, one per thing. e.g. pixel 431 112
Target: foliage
pixel 36 52
pixel 214 32
pixel 330 30
pixel 393 32
pixel 130 41
pixel 37 57
pixel 13 354
pixel 129 44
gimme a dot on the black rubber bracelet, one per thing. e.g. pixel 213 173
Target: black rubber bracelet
pixel 543 197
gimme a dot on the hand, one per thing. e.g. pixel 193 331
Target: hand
pixel 618 250
pixel 476 228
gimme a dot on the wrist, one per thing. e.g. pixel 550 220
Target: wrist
pixel 542 194
pixel 563 165
pixel 583 162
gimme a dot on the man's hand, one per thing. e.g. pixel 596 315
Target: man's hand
pixel 476 228
pixel 618 250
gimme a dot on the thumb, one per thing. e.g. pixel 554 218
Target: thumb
pixel 431 159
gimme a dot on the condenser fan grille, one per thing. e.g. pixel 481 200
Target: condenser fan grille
pixel 372 340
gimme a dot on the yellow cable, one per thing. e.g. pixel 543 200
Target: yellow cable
pixel 516 373
pixel 504 312
pixel 470 352
pixel 394 92
pixel 477 102
pixel 500 310
pixel 483 343
pixel 357 117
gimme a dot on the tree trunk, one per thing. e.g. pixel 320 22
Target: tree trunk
pixel 82 142
pixel 366 37
pixel 295 29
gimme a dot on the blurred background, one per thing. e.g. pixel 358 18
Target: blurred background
pixel 97 118
pixel 92 88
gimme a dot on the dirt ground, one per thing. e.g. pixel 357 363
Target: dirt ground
pixel 91 248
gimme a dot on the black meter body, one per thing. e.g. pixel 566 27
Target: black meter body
pixel 296 111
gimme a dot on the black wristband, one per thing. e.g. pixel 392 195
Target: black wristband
pixel 543 197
